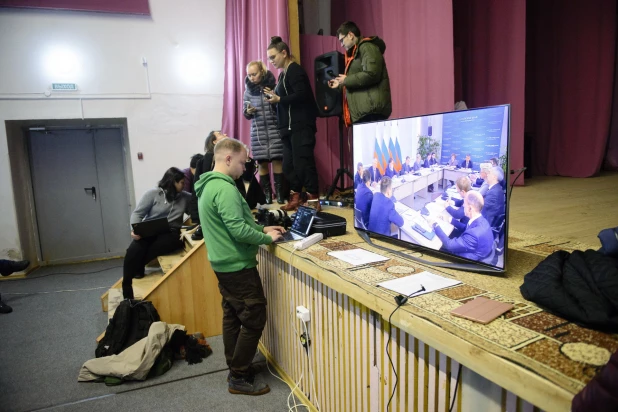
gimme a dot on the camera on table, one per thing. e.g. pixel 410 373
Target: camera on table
pixel 275 217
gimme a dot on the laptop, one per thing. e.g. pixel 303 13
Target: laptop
pixel 152 227
pixel 301 226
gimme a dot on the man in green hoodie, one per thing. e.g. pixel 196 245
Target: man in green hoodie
pixel 364 83
pixel 232 239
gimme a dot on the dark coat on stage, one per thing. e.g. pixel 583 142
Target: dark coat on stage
pixel 382 214
pixel 494 204
pixel 265 140
pixel 476 242
pixel 254 195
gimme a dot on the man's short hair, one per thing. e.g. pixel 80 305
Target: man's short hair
pixel 407 157
pixel 359 165
pixel 230 145
pixel 496 171
pixel 474 199
pixel 348 26
pixel 463 183
pixel 366 176
pixel 494 161
pixel 385 183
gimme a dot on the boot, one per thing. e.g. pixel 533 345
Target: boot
pixel 314 201
pixel 293 203
pixel 279 188
pixel 268 192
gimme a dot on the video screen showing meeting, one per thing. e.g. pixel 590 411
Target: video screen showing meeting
pixel 438 181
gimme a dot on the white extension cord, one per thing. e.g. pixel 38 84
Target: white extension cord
pixel 308 241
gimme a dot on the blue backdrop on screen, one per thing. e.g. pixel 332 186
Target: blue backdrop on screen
pixel 476 133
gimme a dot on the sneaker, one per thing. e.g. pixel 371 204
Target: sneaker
pixel 15 266
pixel 250 385
pixel 4 308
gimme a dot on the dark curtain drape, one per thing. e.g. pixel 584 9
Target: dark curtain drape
pixel 611 155
pixel 249 26
pixel 490 38
pixel 570 75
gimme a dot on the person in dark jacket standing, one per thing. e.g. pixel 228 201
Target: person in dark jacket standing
pixel 266 143
pixel 296 114
pixel 249 187
pixel 365 84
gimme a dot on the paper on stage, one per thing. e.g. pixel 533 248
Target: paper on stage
pixel 412 283
pixel 358 257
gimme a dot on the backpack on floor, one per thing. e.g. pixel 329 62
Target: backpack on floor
pixel 130 323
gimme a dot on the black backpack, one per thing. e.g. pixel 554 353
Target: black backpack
pixel 130 323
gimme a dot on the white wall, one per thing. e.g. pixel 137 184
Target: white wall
pixel 183 44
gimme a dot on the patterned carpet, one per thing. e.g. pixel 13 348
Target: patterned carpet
pixel 554 348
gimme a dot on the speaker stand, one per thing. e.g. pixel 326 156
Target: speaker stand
pixel 342 171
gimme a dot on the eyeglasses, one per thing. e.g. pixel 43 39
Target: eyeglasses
pixel 341 39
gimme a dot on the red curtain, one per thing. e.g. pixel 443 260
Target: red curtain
pixel 611 156
pixel 490 36
pixel 108 6
pixel 249 25
pixel 570 75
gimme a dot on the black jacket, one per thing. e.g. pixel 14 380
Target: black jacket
pixel 203 165
pixel 581 287
pixel 297 108
pixel 255 194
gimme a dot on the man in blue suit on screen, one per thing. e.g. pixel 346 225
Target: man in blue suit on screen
pixel 406 167
pixel 466 163
pixel 494 198
pixel 363 198
pixel 383 211
pixel 358 177
pixel 374 171
pixel 390 169
pixel 477 240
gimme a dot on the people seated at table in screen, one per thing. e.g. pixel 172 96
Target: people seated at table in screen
pixel 434 160
pixel 428 163
pixel 453 161
pixel 363 198
pixel 466 163
pixel 477 240
pixel 358 177
pixel 494 208
pixel 374 172
pixel 383 211
pixel 418 163
pixel 455 206
pixel 406 167
pixel 390 169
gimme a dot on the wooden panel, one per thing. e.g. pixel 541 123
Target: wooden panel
pixel 349 364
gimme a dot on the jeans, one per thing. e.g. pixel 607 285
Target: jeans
pixel 244 317
pixel 142 251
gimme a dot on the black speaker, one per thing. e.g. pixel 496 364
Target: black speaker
pixel 327 67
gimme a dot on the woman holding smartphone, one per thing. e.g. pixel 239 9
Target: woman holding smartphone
pixel 266 143
pixel 296 115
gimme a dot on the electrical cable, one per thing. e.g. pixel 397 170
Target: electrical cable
pixel 516 177
pixel 455 391
pixel 400 300
pixel 311 376
pixel 66 273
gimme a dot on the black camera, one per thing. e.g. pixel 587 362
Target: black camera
pixel 276 217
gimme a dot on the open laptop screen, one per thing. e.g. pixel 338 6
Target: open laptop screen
pixel 303 221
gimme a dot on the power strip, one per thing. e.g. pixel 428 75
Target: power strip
pixel 308 241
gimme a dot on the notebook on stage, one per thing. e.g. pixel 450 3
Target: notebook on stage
pixel 301 226
pixel 152 227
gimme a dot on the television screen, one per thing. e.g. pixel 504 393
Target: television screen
pixel 437 181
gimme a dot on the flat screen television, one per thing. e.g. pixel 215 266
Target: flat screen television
pixel 452 199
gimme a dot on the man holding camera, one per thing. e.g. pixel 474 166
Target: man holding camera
pixel 232 240
pixel 365 84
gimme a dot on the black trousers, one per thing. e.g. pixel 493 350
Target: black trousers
pixel 244 317
pixel 142 251
pixel 299 162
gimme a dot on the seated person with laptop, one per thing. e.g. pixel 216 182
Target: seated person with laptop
pixel 156 223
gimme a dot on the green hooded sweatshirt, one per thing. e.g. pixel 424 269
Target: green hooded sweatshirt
pixel 230 232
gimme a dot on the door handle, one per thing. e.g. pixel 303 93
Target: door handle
pixel 92 190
